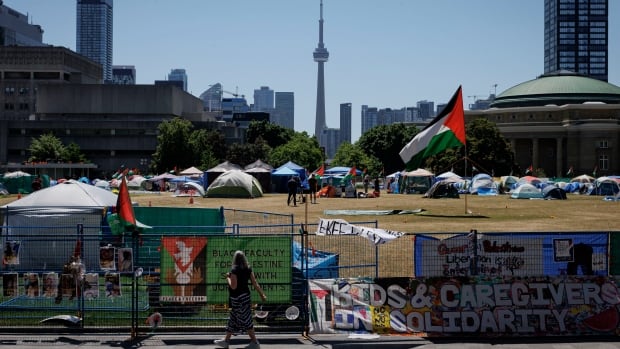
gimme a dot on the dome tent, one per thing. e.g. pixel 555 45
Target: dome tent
pixel 234 184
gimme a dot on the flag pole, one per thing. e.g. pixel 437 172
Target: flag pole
pixel 466 186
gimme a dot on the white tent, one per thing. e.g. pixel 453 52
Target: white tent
pixel 46 224
pixel 192 171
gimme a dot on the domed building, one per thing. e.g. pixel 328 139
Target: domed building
pixel 558 121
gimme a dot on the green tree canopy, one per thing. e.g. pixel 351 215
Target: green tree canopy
pixel 274 135
pixel 487 151
pixel 46 147
pixel 209 148
pixel 301 149
pixel 350 155
pixel 384 142
pixel 173 146
pixel 73 153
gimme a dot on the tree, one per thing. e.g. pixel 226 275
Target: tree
pixel 173 146
pixel 384 142
pixel 209 147
pixel 73 153
pixel 247 153
pixel 302 149
pixel 487 151
pixel 274 135
pixel 45 148
pixel 350 155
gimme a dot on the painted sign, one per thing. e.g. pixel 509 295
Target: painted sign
pixel 341 227
pixel 509 306
pixel 183 269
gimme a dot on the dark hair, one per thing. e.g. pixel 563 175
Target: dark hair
pixel 239 260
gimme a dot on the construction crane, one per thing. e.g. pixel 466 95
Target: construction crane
pixel 235 94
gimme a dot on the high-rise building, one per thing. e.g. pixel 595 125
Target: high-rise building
pixel 16 31
pixel 263 99
pixel 345 122
pixel 426 109
pixel 576 37
pixel 124 74
pixel 212 98
pixel 369 118
pixel 331 141
pixel 94 32
pixel 320 56
pixel 178 75
pixel 284 113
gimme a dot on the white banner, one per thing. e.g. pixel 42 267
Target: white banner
pixel 341 227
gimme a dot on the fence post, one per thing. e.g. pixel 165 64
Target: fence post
pixel 473 243
pixel 80 238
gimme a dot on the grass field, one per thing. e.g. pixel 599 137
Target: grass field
pixel 485 214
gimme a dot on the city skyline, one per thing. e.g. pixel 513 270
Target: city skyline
pixel 381 56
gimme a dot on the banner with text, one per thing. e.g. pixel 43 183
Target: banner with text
pixel 341 227
pixel 507 306
pixel 269 256
pixel 522 254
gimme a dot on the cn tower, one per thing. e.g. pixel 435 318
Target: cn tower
pixel 320 56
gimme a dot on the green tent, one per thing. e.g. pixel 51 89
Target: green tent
pixel 234 184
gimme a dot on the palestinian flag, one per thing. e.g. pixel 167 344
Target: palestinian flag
pixel 349 176
pixel 320 171
pixel 124 219
pixel 446 131
pixel 570 171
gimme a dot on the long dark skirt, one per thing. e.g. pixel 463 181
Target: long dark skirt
pixel 240 314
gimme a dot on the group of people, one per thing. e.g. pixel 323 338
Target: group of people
pixel 294 188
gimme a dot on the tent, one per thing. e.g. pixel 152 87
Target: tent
pixel 605 186
pixel 526 191
pixel 262 172
pixel 280 176
pixel 584 178
pixel 214 172
pixel 482 184
pixel 46 213
pixel 443 189
pixel 234 184
pixel 417 181
pixel 552 192
pixel 190 189
pixel 192 171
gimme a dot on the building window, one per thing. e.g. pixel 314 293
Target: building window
pixel 603 144
pixel 603 162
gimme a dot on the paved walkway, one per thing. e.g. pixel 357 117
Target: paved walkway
pixel 291 341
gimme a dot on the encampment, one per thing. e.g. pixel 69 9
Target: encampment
pixel 234 184
pixel 483 184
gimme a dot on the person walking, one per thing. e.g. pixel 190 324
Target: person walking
pixel 240 301
pixel 291 185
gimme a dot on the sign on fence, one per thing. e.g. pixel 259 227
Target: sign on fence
pixel 508 306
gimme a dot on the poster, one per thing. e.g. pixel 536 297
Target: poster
pixel 10 285
pixel 32 287
pixel 10 253
pixel 183 269
pixel 112 285
pixel 125 260
pixel 91 286
pixel 50 285
pixel 106 258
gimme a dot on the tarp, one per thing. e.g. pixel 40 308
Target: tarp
pixel 235 183
pixel 321 264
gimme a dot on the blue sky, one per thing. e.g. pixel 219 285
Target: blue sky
pixel 386 54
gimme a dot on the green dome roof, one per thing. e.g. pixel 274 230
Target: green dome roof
pixel 559 88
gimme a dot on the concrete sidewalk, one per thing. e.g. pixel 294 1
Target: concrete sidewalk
pixel 292 341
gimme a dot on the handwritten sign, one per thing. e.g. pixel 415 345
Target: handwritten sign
pixel 341 227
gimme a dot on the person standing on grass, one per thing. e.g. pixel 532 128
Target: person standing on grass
pixel 240 301
pixel 312 183
pixel 291 185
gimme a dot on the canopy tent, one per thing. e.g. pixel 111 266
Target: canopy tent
pixel 280 176
pixel 258 164
pixel 416 181
pixel 234 184
pixel 192 171
pixel 214 172
pixel 262 172
pixel 526 191
pixel 48 210
pixel 340 171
